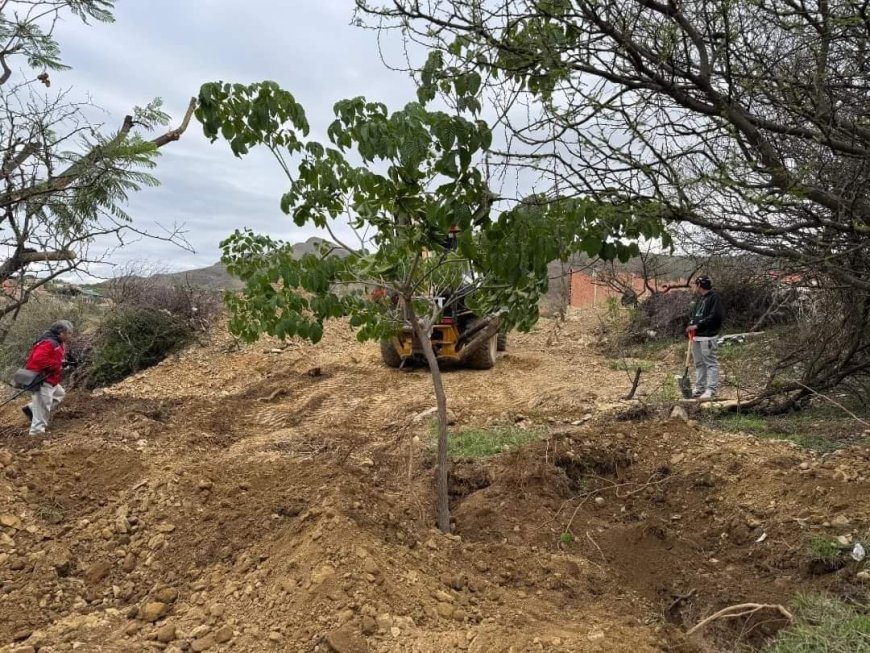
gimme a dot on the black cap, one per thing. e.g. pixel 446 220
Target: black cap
pixel 704 281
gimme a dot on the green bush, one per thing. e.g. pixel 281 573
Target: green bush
pixel 132 339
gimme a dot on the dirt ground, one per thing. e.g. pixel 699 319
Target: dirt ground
pixel 280 498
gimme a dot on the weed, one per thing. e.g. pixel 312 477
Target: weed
pixel 823 550
pixel 566 538
pixel 52 511
pixel 747 423
pixel 481 443
pixel 825 624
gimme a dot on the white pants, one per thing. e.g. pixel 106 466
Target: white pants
pixel 42 404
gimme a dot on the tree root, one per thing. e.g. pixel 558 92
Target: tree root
pixel 740 610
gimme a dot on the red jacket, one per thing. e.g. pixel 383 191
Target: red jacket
pixel 47 356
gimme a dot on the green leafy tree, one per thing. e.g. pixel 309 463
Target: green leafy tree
pixel 406 178
pixel 64 179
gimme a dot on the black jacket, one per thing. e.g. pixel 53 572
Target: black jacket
pixel 707 315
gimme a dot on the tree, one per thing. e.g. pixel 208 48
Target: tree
pixel 405 179
pixel 745 118
pixel 64 178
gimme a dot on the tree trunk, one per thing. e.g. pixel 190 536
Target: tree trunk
pixel 441 402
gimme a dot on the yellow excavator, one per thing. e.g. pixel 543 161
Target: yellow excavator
pixel 461 338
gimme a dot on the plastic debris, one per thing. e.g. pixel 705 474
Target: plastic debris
pixel 858 552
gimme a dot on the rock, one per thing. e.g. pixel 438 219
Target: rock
pixel 200 631
pixel 166 595
pixel 166 634
pixel 122 526
pixel 216 610
pixel 5 457
pixel 840 520
pixel 752 522
pixel 129 563
pixel 202 644
pixel 445 610
pixel 444 597
pixel 10 521
pixel 433 414
pixel 97 572
pixel 600 501
pixel 677 459
pixel 459 614
pixel 223 634
pixel 844 541
pixel 369 626
pixel 344 640
pixel 23 649
pixel 153 611
pixel 21 635
pixel 804 465
pixel 384 621
pixel 165 527
pixel 275 636
pixel 678 412
pixel 322 573
pixel 371 567
pixel 204 484
pixel 863 575
pixel 431 544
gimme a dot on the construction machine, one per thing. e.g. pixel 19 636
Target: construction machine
pixel 461 337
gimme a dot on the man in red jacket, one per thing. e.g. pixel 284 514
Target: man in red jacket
pixel 47 358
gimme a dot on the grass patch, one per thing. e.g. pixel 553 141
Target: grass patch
pixel 818 429
pixel 482 443
pixel 825 624
pixel 631 364
pixel 824 550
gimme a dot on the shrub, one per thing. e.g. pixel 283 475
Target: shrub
pixel 751 300
pixel 132 339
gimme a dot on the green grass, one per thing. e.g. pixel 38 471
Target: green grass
pixel 482 443
pixel 823 549
pixel 631 364
pixel 802 429
pixel 824 625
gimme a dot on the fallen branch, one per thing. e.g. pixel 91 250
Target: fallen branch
pixel 837 404
pixel 740 610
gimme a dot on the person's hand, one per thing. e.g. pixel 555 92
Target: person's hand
pixel 690 331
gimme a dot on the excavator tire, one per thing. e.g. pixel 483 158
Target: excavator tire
pixel 484 357
pixel 389 354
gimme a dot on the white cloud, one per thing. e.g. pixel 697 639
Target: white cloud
pixel 169 48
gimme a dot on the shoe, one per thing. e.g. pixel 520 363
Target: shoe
pixel 697 393
pixel 707 396
pixel 27 413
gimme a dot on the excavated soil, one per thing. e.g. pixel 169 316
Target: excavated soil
pixel 280 498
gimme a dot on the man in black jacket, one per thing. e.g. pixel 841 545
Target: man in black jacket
pixel 704 326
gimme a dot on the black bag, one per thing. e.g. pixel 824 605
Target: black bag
pixel 25 379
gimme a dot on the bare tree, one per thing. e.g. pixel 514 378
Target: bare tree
pixel 747 119
pixel 64 179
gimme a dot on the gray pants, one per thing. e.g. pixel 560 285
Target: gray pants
pixel 706 364
pixel 42 404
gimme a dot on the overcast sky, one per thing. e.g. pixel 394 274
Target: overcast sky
pixel 168 48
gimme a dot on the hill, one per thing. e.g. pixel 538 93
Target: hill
pixel 215 277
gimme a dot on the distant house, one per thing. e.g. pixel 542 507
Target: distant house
pixel 590 288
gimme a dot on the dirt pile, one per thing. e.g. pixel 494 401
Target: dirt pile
pixel 279 498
